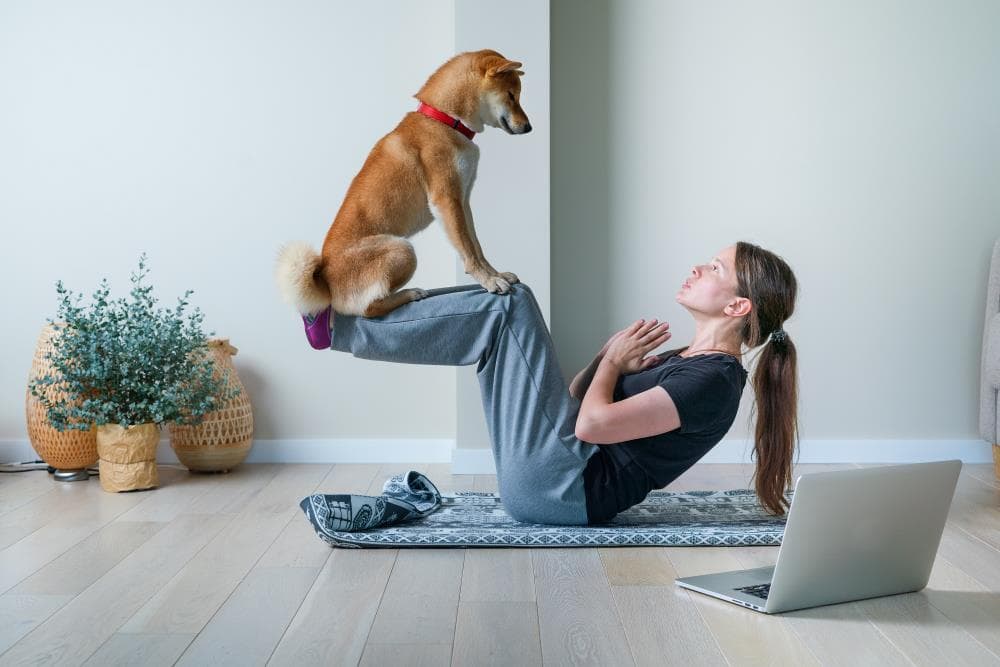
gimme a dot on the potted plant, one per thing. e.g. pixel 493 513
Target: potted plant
pixel 126 369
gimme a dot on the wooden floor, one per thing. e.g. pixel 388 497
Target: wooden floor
pixel 225 569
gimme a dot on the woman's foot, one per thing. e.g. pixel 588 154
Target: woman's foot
pixel 319 328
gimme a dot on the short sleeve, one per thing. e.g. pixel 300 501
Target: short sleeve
pixel 703 394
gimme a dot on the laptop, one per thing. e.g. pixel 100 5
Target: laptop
pixel 850 535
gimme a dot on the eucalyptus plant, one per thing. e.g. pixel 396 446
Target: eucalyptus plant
pixel 125 362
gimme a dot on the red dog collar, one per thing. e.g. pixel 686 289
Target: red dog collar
pixel 431 112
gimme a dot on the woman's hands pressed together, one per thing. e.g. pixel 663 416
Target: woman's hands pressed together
pixel 627 349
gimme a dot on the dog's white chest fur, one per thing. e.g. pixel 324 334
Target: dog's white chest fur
pixel 466 163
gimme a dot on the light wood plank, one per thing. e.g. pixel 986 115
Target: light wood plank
pixel 664 627
pixel 38 512
pixel 153 650
pixel 842 635
pixel 287 488
pixel 20 614
pixel 577 618
pixel 88 561
pixel 984 472
pixel 179 489
pixel 420 601
pixel 352 478
pixel 331 627
pixel 975 508
pixel 79 628
pixel 190 599
pixel 966 602
pixel 72 525
pixel 976 558
pixel 498 575
pixel 351 607
pixel 249 625
pixel 19 489
pixel 186 604
pixel 497 633
pixel 920 632
pixel 655 612
pixel 415 655
pixel 233 490
pixel 744 636
pixel 298 545
pixel 637 566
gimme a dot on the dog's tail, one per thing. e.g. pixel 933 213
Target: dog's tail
pixel 298 272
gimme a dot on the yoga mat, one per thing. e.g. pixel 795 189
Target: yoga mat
pixel 475 519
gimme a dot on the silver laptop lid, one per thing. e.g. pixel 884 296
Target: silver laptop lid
pixel 854 534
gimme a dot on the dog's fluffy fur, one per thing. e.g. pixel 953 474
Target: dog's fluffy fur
pixel 421 170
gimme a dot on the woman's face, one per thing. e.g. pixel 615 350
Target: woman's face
pixel 712 285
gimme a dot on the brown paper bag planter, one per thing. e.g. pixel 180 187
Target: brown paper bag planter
pixel 128 456
pixel 223 439
pixel 66 450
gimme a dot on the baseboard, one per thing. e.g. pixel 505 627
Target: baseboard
pixel 480 461
pixel 340 450
pixel 465 461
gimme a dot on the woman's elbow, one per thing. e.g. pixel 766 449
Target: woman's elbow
pixel 585 431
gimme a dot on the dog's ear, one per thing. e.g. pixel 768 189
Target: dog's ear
pixel 505 66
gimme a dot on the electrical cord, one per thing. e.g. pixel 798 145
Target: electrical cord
pixel 31 466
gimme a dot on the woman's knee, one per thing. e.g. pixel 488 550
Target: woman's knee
pixel 523 288
pixel 536 510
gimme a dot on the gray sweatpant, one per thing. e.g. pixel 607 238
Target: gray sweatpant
pixel 530 414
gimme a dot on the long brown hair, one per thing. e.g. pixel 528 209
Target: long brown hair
pixel 768 282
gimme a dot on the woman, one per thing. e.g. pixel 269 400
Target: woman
pixel 629 423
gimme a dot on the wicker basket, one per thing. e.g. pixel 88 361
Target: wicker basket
pixel 66 450
pixel 224 437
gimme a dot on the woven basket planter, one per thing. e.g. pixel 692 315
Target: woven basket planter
pixel 128 456
pixel 223 439
pixel 66 450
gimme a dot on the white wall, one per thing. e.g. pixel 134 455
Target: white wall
pixel 208 134
pixel 858 140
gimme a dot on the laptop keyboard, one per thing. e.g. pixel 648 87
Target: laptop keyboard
pixel 759 590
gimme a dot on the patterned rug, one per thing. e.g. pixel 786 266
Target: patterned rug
pixel 474 519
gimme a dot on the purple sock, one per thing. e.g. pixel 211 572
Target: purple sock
pixel 318 329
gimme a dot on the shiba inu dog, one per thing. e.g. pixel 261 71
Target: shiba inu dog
pixel 423 169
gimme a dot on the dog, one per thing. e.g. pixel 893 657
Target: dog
pixel 423 169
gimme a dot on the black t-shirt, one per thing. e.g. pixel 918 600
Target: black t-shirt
pixel 706 389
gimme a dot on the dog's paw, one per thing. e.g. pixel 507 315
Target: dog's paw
pixel 496 284
pixel 509 277
pixel 416 294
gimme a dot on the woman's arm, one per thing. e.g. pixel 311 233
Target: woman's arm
pixel 582 381
pixel 602 421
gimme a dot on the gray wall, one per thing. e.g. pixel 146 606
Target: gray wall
pixel 858 140
pixel 511 197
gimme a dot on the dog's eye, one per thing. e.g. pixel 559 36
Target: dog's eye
pixel 510 95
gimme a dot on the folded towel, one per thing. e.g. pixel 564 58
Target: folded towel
pixel 405 496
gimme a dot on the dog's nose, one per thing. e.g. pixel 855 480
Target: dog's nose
pixel 527 128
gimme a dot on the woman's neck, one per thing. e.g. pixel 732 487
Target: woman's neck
pixel 709 342
pixel 715 335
